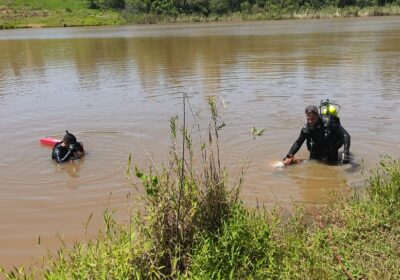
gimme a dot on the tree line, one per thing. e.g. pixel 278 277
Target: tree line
pixel 219 7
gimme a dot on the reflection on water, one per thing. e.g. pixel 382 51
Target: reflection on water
pixel 116 88
pixel 316 181
pixel 72 168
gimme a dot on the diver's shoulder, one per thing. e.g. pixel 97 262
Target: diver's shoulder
pixel 305 129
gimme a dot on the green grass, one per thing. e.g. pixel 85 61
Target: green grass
pixel 273 14
pixel 49 5
pixel 54 13
pixel 243 248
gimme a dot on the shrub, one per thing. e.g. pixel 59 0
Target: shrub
pixel 242 249
pixel 179 202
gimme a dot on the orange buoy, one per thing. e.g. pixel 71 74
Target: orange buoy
pixel 50 141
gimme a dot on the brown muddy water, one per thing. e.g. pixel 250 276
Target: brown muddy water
pixel 116 88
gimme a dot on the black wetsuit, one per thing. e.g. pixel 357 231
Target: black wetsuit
pixel 315 140
pixel 62 154
pixel 323 139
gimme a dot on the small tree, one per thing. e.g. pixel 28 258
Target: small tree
pixel 137 6
pixel 115 4
pixel 198 6
pixel 219 6
pixel 93 4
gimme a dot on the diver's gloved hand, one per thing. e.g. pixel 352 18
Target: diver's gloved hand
pixel 71 147
pixel 346 158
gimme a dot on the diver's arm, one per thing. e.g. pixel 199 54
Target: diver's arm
pixel 346 144
pixel 79 150
pixel 346 140
pixel 65 158
pixel 288 159
pixel 297 144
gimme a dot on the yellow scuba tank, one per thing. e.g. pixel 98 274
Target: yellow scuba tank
pixel 329 114
pixel 328 108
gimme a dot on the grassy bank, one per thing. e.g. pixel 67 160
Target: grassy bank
pixel 54 13
pixel 195 227
pixel 62 13
pixel 260 14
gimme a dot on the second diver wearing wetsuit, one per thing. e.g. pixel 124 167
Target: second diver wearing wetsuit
pixel 69 148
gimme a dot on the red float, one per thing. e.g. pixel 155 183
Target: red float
pixel 50 141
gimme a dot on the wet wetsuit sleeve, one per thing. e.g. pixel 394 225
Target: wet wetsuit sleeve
pixel 79 147
pixel 61 159
pixel 297 144
pixel 78 151
pixel 346 140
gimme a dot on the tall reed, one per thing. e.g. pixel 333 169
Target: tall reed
pixel 180 201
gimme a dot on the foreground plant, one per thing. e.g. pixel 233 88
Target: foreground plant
pixel 181 201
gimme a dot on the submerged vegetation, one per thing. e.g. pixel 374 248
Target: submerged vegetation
pixel 53 13
pixel 193 225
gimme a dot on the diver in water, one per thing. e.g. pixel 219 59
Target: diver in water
pixel 324 135
pixel 313 132
pixel 68 149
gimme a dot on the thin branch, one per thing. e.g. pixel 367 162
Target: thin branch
pixel 150 157
pixel 182 175
pixel 338 258
pixel 332 245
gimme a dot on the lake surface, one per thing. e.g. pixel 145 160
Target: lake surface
pixel 116 88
